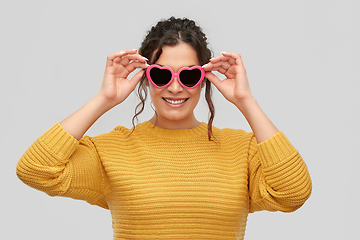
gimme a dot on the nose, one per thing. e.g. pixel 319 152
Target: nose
pixel 175 87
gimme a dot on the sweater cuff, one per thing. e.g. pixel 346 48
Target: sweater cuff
pixel 61 143
pixel 275 149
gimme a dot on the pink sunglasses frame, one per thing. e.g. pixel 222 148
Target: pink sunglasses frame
pixel 175 75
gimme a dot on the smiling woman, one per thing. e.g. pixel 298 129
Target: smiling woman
pixel 171 177
pixel 175 104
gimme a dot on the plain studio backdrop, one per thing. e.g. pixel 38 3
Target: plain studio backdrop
pixel 302 60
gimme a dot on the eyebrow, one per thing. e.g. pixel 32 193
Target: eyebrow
pixel 167 66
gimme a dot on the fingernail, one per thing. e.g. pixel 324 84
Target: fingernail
pixel 223 52
pixel 145 58
pixel 121 52
pixel 204 65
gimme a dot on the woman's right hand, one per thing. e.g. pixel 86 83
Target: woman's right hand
pixel 116 87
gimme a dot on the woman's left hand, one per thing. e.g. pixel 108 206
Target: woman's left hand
pixel 235 87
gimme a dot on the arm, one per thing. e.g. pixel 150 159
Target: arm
pixel 115 89
pixel 62 162
pixel 59 165
pixel 235 89
pixel 278 176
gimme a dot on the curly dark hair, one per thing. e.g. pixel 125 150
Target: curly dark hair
pixel 171 32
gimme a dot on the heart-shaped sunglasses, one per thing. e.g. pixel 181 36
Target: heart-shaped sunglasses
pixel 188 77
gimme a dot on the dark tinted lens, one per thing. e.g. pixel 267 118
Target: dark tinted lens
pixel 190 77
pixel 160 76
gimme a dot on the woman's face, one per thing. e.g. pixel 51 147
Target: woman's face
pixel 175 104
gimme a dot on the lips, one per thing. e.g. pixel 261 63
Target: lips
pixel 175 101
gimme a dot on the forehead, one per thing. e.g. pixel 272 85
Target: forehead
pixel 178 56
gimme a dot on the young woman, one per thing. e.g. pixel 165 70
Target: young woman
pixel 171 177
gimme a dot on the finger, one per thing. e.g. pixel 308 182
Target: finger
pixel 223 59
pixel 136 78
pixel 216 59
pixel 132 58
pixel 235 57
pixel 134 65
pixel 207 67
pixel 127 70
pixel 213 78
pixel 121 53
pixel 221 64
pixel 118 55
pixel 219 69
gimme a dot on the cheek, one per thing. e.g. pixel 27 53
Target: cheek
pixel 151 93
pixel 196 95
pixel 151 89
pixel 154 93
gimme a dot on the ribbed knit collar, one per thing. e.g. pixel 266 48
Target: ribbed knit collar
pixel 179 134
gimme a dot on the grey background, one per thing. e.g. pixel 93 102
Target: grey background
pixel 302 59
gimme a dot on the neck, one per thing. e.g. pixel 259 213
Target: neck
pixel 160 122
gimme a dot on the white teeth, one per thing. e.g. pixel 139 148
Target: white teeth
pixel 175 101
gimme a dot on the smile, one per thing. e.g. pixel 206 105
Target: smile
pixel 175 101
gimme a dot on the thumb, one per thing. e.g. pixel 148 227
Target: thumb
pixel 136 78
pixel 213 79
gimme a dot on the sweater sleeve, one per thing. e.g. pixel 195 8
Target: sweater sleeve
pixel 59 165
pixel 278 177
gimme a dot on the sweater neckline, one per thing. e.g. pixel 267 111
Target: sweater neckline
pixel 149 128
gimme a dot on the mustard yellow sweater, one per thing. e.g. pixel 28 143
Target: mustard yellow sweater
pixel 170 184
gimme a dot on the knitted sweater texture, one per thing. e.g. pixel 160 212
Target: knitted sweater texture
pixel 170 184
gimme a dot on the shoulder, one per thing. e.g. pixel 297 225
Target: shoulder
pixel 231 132
pixel 119 133
pixel 232 136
